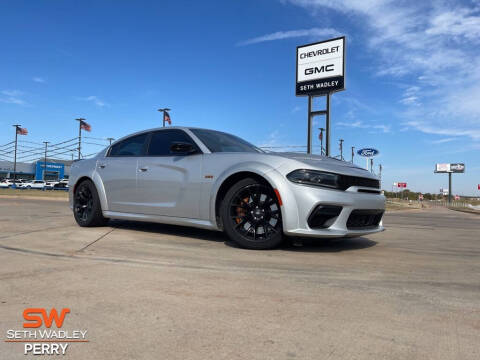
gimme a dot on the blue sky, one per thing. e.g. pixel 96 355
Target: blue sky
pixel 413 71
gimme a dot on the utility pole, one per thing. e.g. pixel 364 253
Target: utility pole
pixel 163 112
pixel 16 126
pixel 321 140
pixel 110 140
pixel 449 188
pixel 353 152
pixel 380 168
pixel 371 165
pixel 45 162
pixel 80 120
pixel 341 149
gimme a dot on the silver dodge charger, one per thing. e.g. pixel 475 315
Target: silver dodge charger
pixel 214 180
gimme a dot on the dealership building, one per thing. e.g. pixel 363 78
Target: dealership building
pixel 52 169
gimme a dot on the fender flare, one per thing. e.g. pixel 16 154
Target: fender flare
pixel 276 180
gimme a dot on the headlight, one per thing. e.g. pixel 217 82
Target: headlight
pixel 316 178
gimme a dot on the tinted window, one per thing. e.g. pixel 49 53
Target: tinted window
pixel 162 140
pixel 133 146
pixel 217 141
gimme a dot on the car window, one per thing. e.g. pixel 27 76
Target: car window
pixel 161 141
pixel 133 146
pixel 217 141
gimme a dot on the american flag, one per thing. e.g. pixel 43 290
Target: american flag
pixel 166 117
pixel 22 131
pixel 85 126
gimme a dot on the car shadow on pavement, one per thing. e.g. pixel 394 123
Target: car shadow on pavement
pixel 289 244
pixel 166 229
pixel 327 245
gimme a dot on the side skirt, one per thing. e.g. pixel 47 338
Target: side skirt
pixel 202 224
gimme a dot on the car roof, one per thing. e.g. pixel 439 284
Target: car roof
pixel 161 128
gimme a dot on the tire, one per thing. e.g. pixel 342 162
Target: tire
pixel 251 215
pixel 29 187
pixel 86 205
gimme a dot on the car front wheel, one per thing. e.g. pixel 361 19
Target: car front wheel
pixel 86 205
pixel 251 215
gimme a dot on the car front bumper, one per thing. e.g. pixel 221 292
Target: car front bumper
pixel 303 200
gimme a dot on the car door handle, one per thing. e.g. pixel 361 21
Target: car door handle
pixel 101 166
pixel 143 169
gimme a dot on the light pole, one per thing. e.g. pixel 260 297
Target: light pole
pixel 45 162
pixel 341 149
pixel 165 111
pixel 80 120
pixel 110 140
pixel 353 152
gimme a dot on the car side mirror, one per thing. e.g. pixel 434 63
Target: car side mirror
pixel 182 148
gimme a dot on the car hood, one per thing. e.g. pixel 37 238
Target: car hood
pixel 328 164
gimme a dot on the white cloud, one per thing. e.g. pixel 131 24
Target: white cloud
pixel 431 45
pixel 12 97
pixel 443 141
pixel 38 79
pixel 12 92
pixel 94 99
pixel 296 108
pixel 280 35
pixel 361 125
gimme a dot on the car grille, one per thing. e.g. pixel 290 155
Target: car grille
pixel 362 219
pixel 346 181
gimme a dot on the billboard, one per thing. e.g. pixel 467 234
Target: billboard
pixel 320 67
pixel 450 168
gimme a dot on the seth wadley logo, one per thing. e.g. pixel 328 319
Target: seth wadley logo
pixel 45 341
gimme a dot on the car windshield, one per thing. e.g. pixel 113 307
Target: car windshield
pixel 217 141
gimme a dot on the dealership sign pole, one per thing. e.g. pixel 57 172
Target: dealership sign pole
pixel 320 72
pixel 449 168
pixel 368 153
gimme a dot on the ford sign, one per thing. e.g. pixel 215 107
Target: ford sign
pixel 368 152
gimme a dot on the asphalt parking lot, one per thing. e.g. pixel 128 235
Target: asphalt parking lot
pixel 150 291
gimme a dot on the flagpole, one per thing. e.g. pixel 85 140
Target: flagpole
pixel 45 162
pixel 15 156
pixel 163 112
pixel 79 136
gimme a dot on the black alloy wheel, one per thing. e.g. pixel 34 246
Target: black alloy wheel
pixel 252 216
pixel 86 205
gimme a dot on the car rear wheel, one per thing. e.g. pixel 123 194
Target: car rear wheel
pixel 251 215
pixel 86 205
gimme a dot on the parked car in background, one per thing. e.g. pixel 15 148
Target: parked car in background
pixel 9 183
pixel 214 180
pixel 49 185
pixel 61 185
pixel 33 184
pixel 4 184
